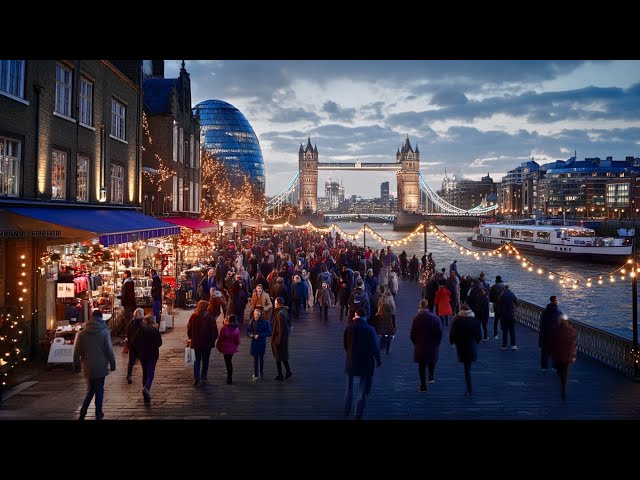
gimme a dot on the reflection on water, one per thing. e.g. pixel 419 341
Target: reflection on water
pixel 607 307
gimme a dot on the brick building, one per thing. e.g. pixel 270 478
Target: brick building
pixel 70 139
pixel 175 132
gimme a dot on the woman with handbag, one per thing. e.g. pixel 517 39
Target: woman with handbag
pixel 228 343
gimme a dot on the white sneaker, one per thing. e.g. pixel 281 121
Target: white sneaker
pixel 496 337
pixel 255 378
pixel 514 347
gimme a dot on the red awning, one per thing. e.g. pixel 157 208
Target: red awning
pixel 195 224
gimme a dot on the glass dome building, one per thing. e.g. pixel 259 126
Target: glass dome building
pixel 227 134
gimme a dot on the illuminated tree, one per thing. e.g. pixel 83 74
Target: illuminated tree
pixel 228 193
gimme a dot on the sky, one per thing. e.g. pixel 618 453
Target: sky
pixel 468 117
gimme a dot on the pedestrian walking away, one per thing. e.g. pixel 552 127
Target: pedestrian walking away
pixel 94 351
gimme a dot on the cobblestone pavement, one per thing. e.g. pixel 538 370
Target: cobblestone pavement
pixel 507 384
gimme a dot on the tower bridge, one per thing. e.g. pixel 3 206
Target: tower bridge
pixel 414 194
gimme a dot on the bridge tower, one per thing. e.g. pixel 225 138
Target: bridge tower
pixel 308 181
pixel 408 178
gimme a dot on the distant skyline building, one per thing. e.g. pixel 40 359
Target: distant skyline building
pixel 384 191
pixel 333 193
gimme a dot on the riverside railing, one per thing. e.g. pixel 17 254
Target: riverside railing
pixel 612 350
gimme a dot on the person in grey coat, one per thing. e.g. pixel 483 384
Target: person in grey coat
pixel 93 348
pixel 466 333
pixel 426 335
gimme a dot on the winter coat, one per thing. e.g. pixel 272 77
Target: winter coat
pixel 383 320
pixel 237 300
pixel 564 343
pixel 132 328
pixel 479 302
pixel 229 339
pixel 202 331
pixel 324 297
pixel 361 344
pixel 393 283
pixel 94 349
pixel 548 321
pixel 443 301
pixel 465 333
pixel 156 287
pixel 426 335
pixel 146 342
pixel 280 336
pixel 262 301
pixel 507 305
pixel 262 328
pixel 128 293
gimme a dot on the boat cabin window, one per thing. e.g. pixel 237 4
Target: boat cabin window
pixel 515 233
pixel 579 233
pixel 503 233
pixel 487 231
pixel 543 236
pixel 527 235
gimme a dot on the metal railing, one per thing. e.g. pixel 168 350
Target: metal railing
pixel 610 349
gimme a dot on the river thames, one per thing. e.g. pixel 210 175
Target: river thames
pixel 606 306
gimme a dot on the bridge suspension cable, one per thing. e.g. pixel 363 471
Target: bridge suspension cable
pixel 445 207
pixel 275 205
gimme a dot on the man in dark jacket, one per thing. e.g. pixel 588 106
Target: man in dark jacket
pixel 361 345
pixel 564 349
pixel 426 335
pixel 128 295
pixel 548 321
pixel 466 333
pixel 507 304
pixel 280 339
pixel 156 294
pixel 147 342
pixel 94 349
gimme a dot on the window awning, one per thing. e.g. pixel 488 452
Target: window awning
pixel 111 226
pixel 195 224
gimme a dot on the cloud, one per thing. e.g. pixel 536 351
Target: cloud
pixel 445 98
pixel 336 112
pixel 290 115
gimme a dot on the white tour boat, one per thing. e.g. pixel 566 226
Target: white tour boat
pixel 559 241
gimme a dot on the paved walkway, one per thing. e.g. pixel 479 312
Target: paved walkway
pixel 507 384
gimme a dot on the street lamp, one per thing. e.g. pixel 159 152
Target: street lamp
pixel 234 231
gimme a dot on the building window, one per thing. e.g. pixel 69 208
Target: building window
pixel 9 166
pixel 58 175
pixel 175 142
pixel 117 184
pixel 86 102
pixel 181 194
pixel 174 195
pixel 118 117
pixel 12 77
pixel 82 179
pixel 63 90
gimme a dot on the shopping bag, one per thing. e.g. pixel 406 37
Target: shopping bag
pixel 125 350
pixel 163 326
pixel 189 355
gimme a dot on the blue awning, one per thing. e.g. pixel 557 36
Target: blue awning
pixel 111 226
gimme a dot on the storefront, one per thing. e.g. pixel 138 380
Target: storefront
pixel 59 263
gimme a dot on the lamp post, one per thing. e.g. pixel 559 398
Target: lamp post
pixel 234 224
pixel 220 231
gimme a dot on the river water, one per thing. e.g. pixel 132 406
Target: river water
pixel 606 306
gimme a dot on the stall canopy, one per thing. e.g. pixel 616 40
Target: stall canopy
pixel 195 224
pixel 111 226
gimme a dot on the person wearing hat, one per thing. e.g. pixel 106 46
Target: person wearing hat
pixel 94 351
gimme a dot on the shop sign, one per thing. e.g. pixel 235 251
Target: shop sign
pixel 30 233
pixel 66 290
